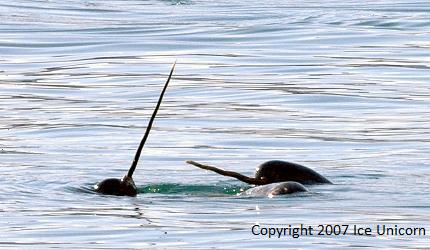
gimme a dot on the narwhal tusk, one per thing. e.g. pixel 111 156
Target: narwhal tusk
pixel 126 185
pixel 148 128
pixel 236 175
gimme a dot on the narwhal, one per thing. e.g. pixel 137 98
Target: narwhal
pixel 274 177
pixel 126 185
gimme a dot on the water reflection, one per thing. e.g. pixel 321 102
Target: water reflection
pixel 341 88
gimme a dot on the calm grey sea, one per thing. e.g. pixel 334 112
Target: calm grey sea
pixel 340 86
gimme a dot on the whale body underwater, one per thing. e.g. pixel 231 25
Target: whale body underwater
pixel 277 188
pixel 272 177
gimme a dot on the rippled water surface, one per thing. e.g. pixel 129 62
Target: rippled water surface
pixel 340 86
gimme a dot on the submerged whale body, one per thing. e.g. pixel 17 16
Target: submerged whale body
pixel 279 188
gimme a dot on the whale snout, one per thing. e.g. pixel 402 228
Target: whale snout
pixel 288 187
pixel 278 188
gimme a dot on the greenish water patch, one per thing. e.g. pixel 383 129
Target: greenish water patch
pixel 177 189
pixel 192 189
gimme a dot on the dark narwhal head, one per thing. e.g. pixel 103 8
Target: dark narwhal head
pixel 126 186
pixel 272 172
pixel 115 186
pixel 280 171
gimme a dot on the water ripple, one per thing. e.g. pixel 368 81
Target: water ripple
pixel 342 88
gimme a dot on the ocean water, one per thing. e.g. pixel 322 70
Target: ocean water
pixel 342 87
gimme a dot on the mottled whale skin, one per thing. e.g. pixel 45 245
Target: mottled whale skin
pixel 279 188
